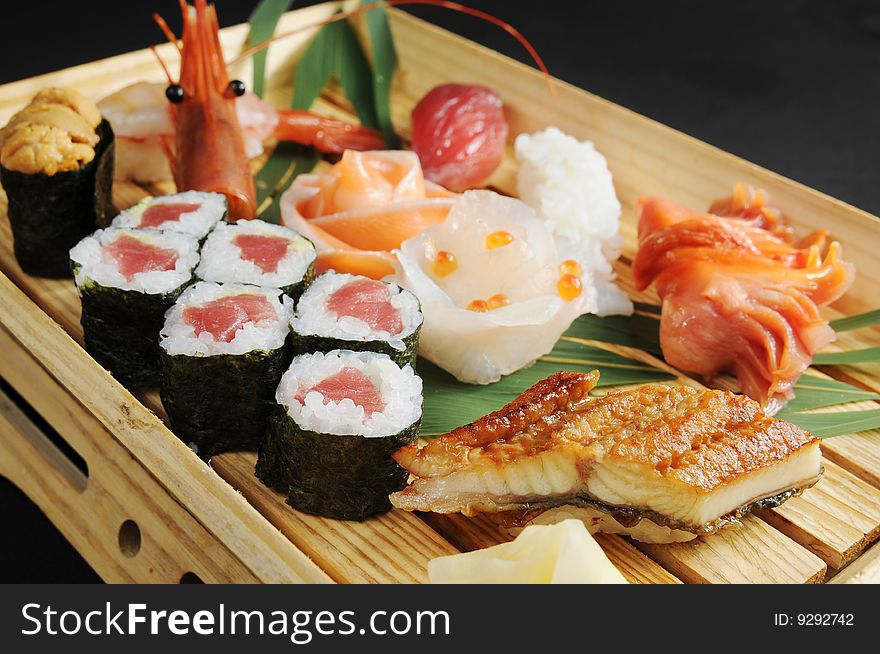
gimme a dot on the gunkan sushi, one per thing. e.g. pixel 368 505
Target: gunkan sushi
pixel 350 312
pixel 56 166
pixel 257 252
pixel 339 416
pixel 127 279
pixel 192 212
pixel 223 349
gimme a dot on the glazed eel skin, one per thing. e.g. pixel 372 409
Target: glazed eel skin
pixel 661 463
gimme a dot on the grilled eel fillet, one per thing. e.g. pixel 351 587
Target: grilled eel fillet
pixel 686 461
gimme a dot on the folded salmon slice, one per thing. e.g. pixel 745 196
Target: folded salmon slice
pixel 683 459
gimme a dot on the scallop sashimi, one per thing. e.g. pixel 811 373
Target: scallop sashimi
pixel 134 256
pixel 223 317
pixel 680 460
pixel 494 289
pixel 362 208
pixel 737 296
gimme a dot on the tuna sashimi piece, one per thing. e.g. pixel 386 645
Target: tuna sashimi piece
pixel 350 384
pixel 157 214
pixel 369 301
pixel 223 317
pixel 264 251
pixel 135 256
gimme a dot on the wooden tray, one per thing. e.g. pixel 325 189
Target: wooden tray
pixel 146 509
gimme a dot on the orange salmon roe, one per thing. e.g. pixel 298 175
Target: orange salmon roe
pixel 478 305
pixel 445 263
pixel 498 240
pixel 569 287
pixel 571 267
pixel 498 301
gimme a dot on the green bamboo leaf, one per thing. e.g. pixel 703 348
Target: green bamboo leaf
pixel 449 403
pixel 641 332
pixel 812 392
pixel 827 425
pixel 263 21
pixel 336 52
pixel 852 357
pixel 286 162
pixel 868 319
pixel 647 308
pixel 384 66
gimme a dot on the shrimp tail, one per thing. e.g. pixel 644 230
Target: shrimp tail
pixel 326 134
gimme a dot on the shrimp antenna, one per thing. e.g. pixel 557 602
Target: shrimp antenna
pixel 169 34
pixel 162 63
pixel 454 6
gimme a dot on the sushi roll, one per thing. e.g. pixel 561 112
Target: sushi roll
pixel 257 252
pixel 56 166
pixel 349 312
pixel 223 349
pixel 193 212
pixel 127 279
pixel 339 416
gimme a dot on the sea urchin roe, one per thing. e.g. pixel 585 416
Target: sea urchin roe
pixel 347 384
pixel 223 317
pixel 480 306
pixel 134 256
pixel 163 212
pixel 571 267
pixel 445 263
pixel 569 287
pixel 498 240
pixel 497 301
pixel 54 133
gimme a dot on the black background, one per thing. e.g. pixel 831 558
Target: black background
pixel 793 85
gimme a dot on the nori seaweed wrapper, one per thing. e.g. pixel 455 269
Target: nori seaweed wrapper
pixel 49 214
pixel 307 343
pixel 220 403
pixel 343 477
pixel 121 330
pixel 294 291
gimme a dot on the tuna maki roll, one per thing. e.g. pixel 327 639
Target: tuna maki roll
pixel 223 350
pixel 339 417
pixel 127 279
pixel 350 312
pixel 193 212
pixel 56 166
pixel 257 252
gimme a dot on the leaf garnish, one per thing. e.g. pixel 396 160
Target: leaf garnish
pixel 263 21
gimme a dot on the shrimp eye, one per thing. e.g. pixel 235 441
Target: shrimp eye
pixel 237 88
pixel 174 93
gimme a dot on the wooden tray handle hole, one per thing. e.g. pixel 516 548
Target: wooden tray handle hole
pixel 191 578
pixel 129 539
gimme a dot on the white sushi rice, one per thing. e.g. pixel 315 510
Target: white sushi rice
pixel 179 338
pixel 400 388
pixel 197 223
pixel 568 183
pixel 102 268
pixel 313 318
pixel 222 262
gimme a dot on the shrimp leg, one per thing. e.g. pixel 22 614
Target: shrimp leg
pixel 326 134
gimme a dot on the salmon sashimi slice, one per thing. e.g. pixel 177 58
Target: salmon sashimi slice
pixel 347 384
pixel 693 460
pixel 264 251
pixel 224 317
pixel 367 300
pixel 368 204
pixel 738 295
pixel 158 214
pixel 133 256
